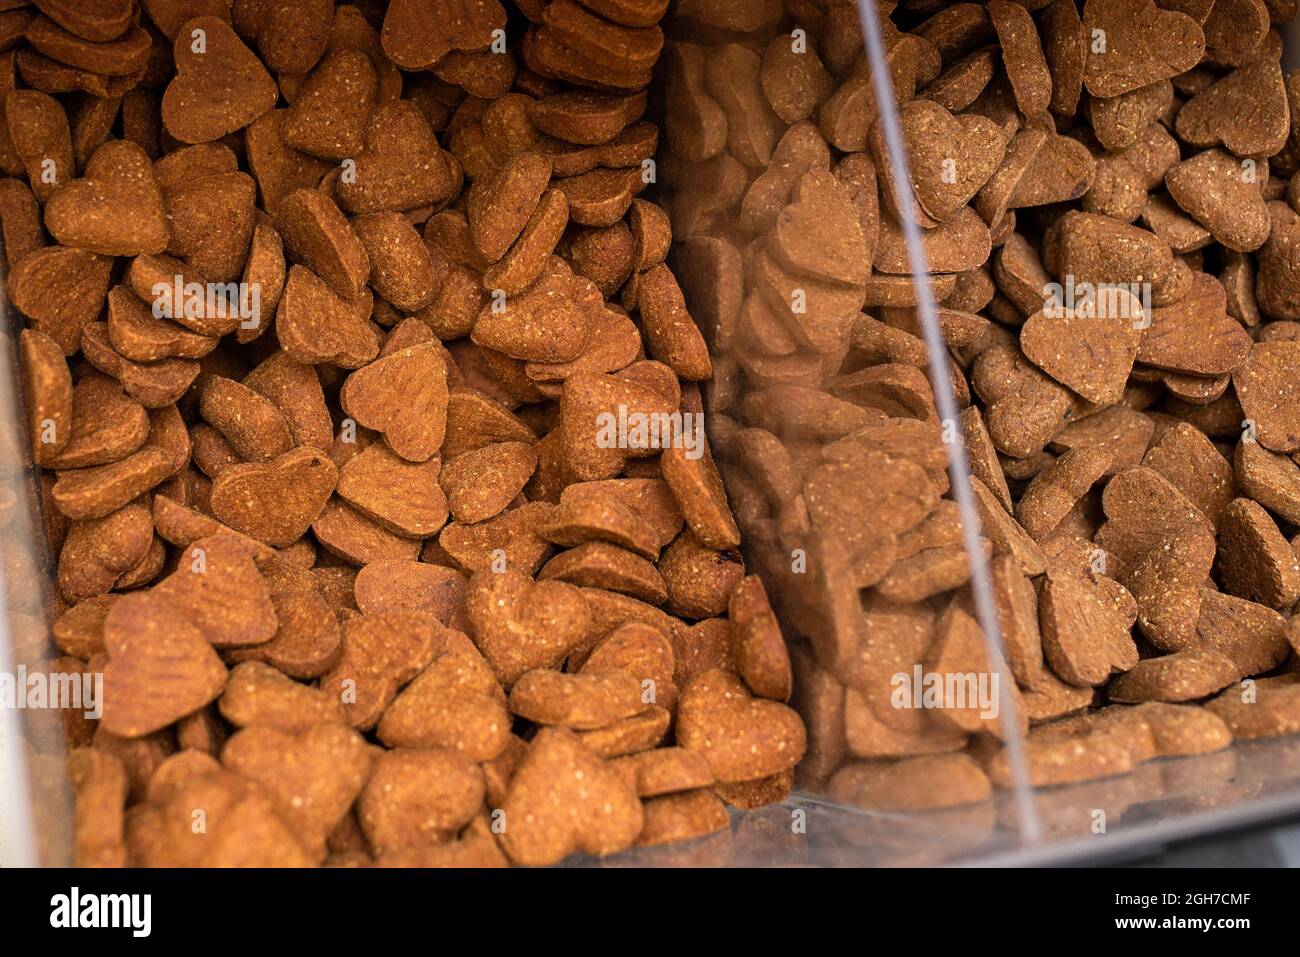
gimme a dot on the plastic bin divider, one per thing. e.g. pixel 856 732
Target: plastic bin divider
pixel 1027 822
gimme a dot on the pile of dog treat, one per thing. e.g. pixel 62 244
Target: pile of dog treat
pixel 328 312
pixel 1106 195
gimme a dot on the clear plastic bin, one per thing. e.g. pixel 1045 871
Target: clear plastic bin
pixel 786 419
pixel 817 502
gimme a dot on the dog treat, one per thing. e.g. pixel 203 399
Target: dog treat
pixel 1101 194
pixel 369 403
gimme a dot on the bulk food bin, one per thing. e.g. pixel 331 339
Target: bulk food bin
pixel 875 486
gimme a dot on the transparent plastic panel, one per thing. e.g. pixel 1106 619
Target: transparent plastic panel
pixel 878 435
pixel 35 809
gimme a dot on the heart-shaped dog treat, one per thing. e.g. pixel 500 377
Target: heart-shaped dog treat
pixel 212 223
pixel 125 57
pixel 275 502
pixel 643 652
pixel 279 168
pixel 416 798
pixel 454 703
pixel 160 666
pixel 820 234
pixel 308 639
pixel 546 323
pixel 402 395
pixel 116 209
pixel 1092 350
pixel 219 588
pixel 1246 111
pixel 48 393
pixel 511 537
pixel 313 776
pixel 410 586
pixel 482 483
pixel 1061 169
pixel 1195 335
pixel 404 497
pixel 1213 189
pixel 291 37
pixel 1167 588
pixel 380 654
pixel 39 138
pixel 949 158
pixel 520 625
pixel 1084 634
pixel 318 235
pixel 1143 511
pixel 216 91
pixel 258 694
pixel 592 402
pixel 741 737
pixel 402 166
pixel 328 116
pixel 315 325
pixel 564 799
pixel 419 33
pixel 582 702
pixel 1266 386
pixel 61 290
pixel 97 20
pixel 1138 44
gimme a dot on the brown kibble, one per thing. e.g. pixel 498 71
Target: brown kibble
pixel 314 325
pixel 699 580
pixel 381 653
pixel 221 590
pixel 663 771
pixel 582 701
pixel 741 737
pixel 417 797
pixel 454 703
pixel 631 735
pixel 1085 636
pixel 760 651
pixel 1271 480
pixel 481 483
pixel 682 817
pixel 307 638
pixel 500 208
pixel 1182 676
pixel 218 91
pixel 698 490
pixel 1252 636
pixel 1245 111
pixel 48 394
pixel 160 666
pixel 259 694
pixel 563 798
pixel 1268 395
pixel 312 776
pixel 1143 44
pixel 275 501
pixel 1054 491
pixel 1255 561
pixel 1022 56
pixel 99 782
pixel 914 784
pixel 327 117
pixel 520 625
pixel 403 395
pixel 1264 708
pixel 61 290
